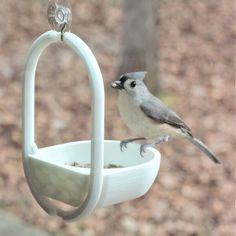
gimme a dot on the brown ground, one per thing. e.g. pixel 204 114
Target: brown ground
pixel 191 195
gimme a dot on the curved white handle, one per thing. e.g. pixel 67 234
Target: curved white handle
pixel 97 133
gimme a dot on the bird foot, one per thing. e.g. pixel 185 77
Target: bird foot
pixel 123 143
pixel 143 147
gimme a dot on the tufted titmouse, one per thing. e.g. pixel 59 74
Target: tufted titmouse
pixel 148 117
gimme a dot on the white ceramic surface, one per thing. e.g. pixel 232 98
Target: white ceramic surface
pixel 53 176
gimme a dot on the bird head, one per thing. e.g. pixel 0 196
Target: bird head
pixel 131 82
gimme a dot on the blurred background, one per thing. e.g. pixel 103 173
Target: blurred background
pixel 188 48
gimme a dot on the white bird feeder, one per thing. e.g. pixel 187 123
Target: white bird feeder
pixel 46 169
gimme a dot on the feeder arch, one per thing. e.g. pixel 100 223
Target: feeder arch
pixel 97 131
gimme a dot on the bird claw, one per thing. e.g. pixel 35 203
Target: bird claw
pixel 123 144
pixel 143 148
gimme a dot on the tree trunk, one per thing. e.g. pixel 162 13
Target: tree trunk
pixel 140 45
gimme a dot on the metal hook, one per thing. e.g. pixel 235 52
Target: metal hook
pixel 63 31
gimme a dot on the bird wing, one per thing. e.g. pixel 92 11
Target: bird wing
pixel 160 113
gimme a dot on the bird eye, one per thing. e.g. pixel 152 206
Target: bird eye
pixel 132 84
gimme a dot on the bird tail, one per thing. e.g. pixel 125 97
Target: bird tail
pixel 196 142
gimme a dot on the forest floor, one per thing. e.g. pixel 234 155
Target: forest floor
pixel 191 195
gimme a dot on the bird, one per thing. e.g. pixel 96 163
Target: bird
pixel 148 117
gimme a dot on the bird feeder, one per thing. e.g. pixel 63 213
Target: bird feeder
pixel 46 169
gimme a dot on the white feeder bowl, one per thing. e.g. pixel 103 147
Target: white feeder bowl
pixel 48 169
pixel 54 176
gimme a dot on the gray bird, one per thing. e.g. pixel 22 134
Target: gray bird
pixel 148 117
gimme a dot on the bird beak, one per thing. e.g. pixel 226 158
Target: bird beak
pixel 117 85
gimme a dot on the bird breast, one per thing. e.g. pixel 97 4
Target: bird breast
pixel 138 122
